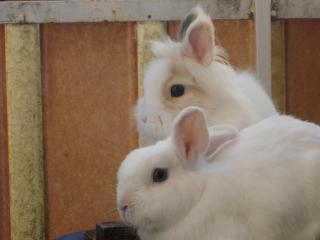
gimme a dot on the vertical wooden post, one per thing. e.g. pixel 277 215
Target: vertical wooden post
pixel 4 165
pixel 278 65
pixel 23 78
pixel 263 42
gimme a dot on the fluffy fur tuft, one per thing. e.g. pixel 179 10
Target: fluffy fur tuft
pixel 227 96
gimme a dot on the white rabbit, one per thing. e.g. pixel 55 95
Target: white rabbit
pixel 194 72
pixel 262 183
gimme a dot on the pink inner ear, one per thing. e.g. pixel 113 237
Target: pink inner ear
pixel 191 134
pixel 187 148
pixel 199 39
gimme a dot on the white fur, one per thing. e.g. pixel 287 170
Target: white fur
pixel 227 96
pixel 262 185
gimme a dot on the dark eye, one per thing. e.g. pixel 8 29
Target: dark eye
pixel 160 174
pixel 177 90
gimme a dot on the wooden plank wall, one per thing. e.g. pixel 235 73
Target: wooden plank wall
pixel 303 69
pixel 90 87
pixel 4 168
pixel 82 82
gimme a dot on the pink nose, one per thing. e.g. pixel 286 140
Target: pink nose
pixel 124 207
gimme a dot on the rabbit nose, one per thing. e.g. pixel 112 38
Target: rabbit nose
pixel 124 207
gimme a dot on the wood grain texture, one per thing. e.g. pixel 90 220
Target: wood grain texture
pixel 90 87
pixel 235 36
pixel 24 116
pixel 4 168
pixel 303 71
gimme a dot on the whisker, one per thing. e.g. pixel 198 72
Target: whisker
pixel 160 120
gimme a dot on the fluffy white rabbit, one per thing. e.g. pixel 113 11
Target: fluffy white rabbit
pixel 262 183
pixel 194 72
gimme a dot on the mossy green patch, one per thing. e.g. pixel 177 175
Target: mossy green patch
pixel 23 74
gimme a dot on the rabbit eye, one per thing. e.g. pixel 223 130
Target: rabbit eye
pixel 177 90
pixel 160 174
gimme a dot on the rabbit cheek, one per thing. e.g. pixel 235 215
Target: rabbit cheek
pixel 153 123
pixel 139 218
pixel 158 125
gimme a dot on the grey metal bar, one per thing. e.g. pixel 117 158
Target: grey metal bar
pixel 297 9
pixel 116 10
pixel 263 42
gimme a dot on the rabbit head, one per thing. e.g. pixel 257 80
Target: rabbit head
pixel 190 72
pixel 158 185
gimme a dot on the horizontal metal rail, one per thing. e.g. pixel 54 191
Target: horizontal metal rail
pixel 263 42
pixel 117 10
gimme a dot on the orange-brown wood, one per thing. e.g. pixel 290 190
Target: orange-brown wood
pixel 303 71
pixel 4 168
pixel 235 36
pixel 89 89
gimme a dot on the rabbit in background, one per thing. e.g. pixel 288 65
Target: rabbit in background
pixel 261 183
pixel 194 72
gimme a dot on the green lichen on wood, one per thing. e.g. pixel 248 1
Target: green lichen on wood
pixel 146 32
pixel 23 75
pixel 278 65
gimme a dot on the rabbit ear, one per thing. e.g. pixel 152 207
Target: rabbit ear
pixel 185 25
pixel 197 36
pixel 219 137
pixel 191 134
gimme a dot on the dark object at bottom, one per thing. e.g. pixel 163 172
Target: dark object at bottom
pixel 112 231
